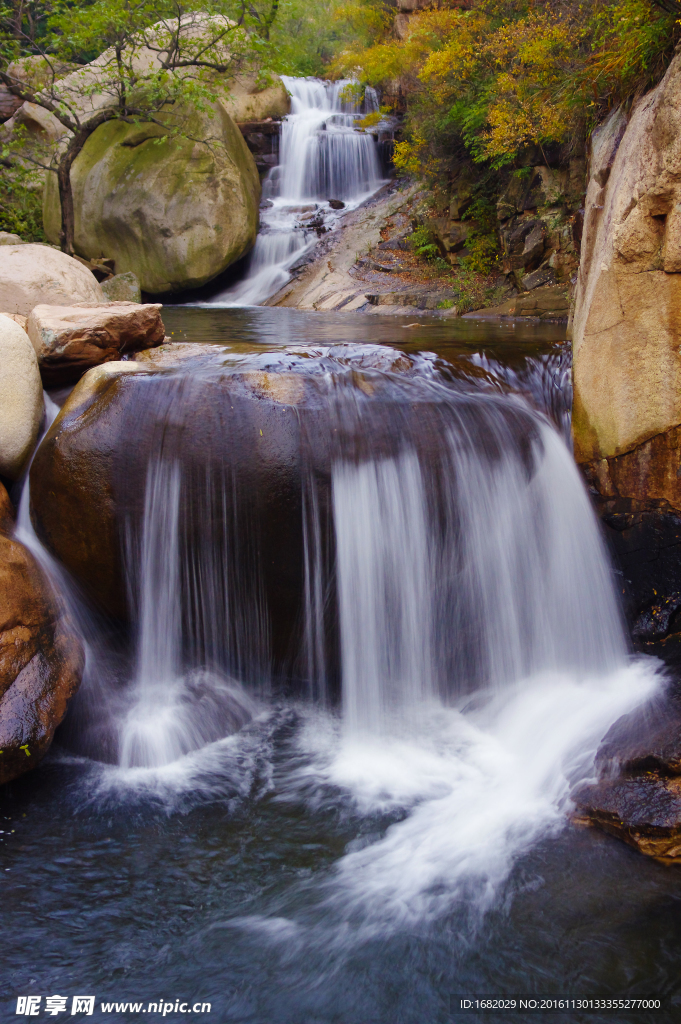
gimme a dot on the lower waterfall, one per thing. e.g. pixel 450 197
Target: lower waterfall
pixel 322 157
pixel 458 630
pixel 368 643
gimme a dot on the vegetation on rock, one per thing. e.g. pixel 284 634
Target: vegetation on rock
pixel 488 79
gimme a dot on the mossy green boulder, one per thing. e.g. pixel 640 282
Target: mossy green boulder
pixel 175 212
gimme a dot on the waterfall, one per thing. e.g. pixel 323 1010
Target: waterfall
pixel 322 157
pixel 421 551
pixel 505 580
pixel 385 590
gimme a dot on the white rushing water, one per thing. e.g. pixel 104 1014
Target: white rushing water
pixel 483 660
pixel 173 709
pixel 322 156
pixel 482 652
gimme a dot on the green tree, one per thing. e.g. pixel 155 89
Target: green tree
pixel 138 61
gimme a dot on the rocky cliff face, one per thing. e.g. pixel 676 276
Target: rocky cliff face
pixel 627 323
pixel 627 348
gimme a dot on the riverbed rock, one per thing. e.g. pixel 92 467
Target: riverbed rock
pixel 21 398
pixel 41 661
pixel 176 213
pixel 70 339
pixel 643 811
pixel 32 274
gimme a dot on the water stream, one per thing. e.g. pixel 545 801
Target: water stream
pixel 381 819
pixel 322 157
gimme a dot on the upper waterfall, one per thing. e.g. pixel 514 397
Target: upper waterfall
pixel 323 156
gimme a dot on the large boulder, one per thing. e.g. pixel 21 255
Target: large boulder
pixel 21 398
pixel 627 322
pixel 70 339
pixel 41 660
pixel 35 273
pixel 175 212
pixel 226 457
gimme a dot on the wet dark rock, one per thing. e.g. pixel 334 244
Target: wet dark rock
pixel 644 811
pixel 254 440
pixel 654 622
pixel 644 538
pixel 336 204
pixel 537 278
pixel 646 740
pixel 638 794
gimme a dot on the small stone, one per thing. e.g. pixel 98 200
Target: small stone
pixel 122 288
pixel 7 238
pixel 544 275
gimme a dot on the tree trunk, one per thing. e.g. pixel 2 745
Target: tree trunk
pixel 68 226
pixel 78 140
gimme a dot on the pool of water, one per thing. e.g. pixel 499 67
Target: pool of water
pixel 510 340
pixel 249 875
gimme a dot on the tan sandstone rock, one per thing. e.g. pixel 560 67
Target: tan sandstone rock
pixel 21 398
pixel 246 99
pixel 33 274
pixel 21 320
pixel 70 339
pixel 41 661
pixel 627 323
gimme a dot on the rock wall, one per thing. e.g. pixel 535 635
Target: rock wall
pixel 627 322
pixel 626 337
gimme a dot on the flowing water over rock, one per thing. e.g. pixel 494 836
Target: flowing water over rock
pixel 322 157
pixel 372 816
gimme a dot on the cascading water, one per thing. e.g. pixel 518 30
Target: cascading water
pixel 373 642
pixel 172 711
pixel 322 157
pixel 457 626
pixel 483 654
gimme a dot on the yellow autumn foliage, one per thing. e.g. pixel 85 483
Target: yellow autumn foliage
pixel 507 74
